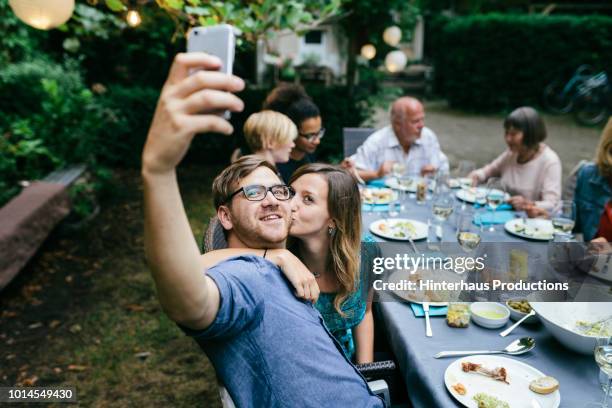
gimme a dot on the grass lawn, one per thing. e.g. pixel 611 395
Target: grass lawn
pixel 84 312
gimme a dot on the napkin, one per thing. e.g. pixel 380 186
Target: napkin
pixel 418 311
pixel 502 207
pixel 493 217
pixel 375 207
pixel 377 182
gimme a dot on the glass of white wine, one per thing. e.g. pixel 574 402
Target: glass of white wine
pixel 603 357
pixel 496 195
pixel 398 170
pixel 442 208
pixel 468 234
pixel 564 218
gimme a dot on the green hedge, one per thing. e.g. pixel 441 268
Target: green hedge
pixel 498 61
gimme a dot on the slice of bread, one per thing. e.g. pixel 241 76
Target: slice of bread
pixel 544 385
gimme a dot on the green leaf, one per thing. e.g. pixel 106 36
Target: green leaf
pixel 115 5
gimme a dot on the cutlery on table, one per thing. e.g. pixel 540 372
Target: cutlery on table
pixel 515 325
pixel 518 346
pixel 428 332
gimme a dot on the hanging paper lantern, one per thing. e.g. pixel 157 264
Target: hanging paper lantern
pixel 43 14
pixel 392 35
pixel 133 18
pixel 395 61
pixel 368 51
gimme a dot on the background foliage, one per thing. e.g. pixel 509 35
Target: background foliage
pixel 498 61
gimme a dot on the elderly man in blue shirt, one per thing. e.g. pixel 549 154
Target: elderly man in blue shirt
pixel 268 347
pixel 406 141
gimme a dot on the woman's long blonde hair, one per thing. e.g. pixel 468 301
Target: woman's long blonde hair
pixel 344 207
pixel 604 151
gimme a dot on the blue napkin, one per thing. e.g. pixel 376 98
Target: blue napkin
pixel 418 311
pixel 503 207
pixel 493 217
pixel 375 207
pixel 377 183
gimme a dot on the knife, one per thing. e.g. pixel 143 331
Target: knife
pixel 428 332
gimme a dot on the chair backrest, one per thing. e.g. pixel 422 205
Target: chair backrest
pixel 569 186
pixel 352 138
pixel 214 237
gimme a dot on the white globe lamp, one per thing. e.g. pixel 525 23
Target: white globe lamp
pixel 392 35
pixel 368 51
pixel 43 14
pixel 395 61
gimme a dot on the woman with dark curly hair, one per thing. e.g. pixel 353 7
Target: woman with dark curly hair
pixel 292 100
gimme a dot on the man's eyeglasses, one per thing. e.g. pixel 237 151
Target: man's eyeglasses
pixel 315 135
pixel 257 192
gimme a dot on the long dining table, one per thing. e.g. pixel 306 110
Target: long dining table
pixel 423 374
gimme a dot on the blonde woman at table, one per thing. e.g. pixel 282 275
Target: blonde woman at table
pixel 530 170
pixel 325 235
pixel 269 135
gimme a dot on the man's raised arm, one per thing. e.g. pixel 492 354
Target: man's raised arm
pixel 187 106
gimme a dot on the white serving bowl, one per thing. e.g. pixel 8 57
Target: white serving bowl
pixel 478 308
pixel 560 319
pixel 518 315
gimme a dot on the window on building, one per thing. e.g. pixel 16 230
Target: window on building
pixel 314 37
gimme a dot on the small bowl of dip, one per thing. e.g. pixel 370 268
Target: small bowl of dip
pixel 490 315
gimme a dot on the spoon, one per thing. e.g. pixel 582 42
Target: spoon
pixel 518 346
pixel 515 325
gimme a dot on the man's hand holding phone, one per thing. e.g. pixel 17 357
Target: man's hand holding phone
pixel 189 104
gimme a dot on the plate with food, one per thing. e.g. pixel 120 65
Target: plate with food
pixel 404 183
pixel 460 182
pixel 472 195
pixel 378 196
pixel 399 229
pixel 532 228
pixel 434 297
pixel 485 381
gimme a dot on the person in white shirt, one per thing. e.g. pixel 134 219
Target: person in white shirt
pixel 405 141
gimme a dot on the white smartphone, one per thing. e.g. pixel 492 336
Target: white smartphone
pixel 218 40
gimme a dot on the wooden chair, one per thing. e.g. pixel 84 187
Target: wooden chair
pixel 352 138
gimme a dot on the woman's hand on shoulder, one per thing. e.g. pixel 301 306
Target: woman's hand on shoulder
pixel 301 278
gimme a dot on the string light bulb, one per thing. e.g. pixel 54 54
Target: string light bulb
pixel 133 18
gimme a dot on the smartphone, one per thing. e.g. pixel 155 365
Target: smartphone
pixel 218 40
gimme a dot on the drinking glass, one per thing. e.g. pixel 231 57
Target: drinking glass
pixel 603 358
pixel 564 218
pixel 468 234
pixel 464 168
pixel 398 170
pixel 442 207
pixel 394 209
pixel 496 195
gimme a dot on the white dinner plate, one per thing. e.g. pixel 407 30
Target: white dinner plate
pixel 389 197
pixel 391 228
pixel 516 394
pixel 393 182
pixel 469 195
pixel 536 228
pixel 419 296
pixel 460 182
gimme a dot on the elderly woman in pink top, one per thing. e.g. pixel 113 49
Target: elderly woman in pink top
pixel 530 170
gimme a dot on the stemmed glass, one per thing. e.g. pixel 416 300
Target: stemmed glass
pixel 468 234
pixel 496 195
pixel 464 168
pixel 442 208
pixel 563 218
pixel 603 357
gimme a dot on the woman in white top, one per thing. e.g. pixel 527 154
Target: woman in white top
pixel 529 169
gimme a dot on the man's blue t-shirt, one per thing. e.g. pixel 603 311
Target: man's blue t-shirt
pixel 271 349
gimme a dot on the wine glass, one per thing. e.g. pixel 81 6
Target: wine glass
pixel 468 234
pixel 603 357
pixel 563 218
pixel 464 168
pixel 496 195
pixel 442 208
pixel 398 170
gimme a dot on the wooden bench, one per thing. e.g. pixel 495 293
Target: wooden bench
pixel 27 220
